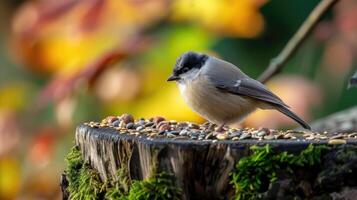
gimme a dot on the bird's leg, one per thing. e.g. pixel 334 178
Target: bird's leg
pixel 221 128
pixel 211 126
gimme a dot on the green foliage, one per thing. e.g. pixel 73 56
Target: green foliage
pixel 120 188
pixel 259 169
pixel 159 187
pixel 85 184
pixel 74 165
pixel 89 187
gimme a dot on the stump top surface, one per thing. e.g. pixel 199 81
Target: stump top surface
pixel 111 134
pixel 159 130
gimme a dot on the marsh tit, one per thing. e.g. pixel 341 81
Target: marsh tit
pixel 221 93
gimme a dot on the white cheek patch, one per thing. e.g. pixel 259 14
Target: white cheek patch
pixel 182 87
pixel 205 67
pixel 190 75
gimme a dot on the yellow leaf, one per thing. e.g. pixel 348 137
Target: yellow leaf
pixel 13 97
pixel 9 178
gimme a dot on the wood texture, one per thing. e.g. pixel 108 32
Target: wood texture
pixel 201 168
pixel 341 122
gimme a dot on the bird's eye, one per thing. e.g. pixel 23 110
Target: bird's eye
pixel 184 70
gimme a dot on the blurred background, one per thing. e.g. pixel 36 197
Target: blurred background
pixel 66 62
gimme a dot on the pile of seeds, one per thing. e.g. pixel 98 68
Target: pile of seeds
pixel 159 127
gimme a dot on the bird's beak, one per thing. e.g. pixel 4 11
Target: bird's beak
pixel 173 78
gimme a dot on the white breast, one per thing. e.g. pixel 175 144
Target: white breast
pixel 212 104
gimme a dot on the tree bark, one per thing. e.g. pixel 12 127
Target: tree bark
pixel 341 122
pixel 202 168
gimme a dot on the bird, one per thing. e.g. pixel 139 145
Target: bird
pixel 221 93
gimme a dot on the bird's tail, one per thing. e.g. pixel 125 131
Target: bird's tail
pixel 293 116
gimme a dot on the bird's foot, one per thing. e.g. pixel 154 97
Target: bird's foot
pixel 209 127
pixel 219 129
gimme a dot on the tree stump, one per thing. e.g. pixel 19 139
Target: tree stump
pixel 205 169
pixel 342 121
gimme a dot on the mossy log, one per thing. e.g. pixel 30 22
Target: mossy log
pixel 203 169
pixel 342 121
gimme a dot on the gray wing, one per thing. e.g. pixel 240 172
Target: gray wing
pixel 229 78
pixel 250 88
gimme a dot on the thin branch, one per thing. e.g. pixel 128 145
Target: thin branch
pixel 353 81
pixel 277 63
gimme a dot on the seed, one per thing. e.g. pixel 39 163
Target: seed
pixel 170 135
pixel 122 124
pixel 339 136
pixel 158 119
pixel 269 137
pixel 311 137
pixel 162 132
pixel 116 123
pixel 254 132
pixel 336 141
pixel 139 128
pixel 194 137
pixel 280 136
pixel 163 126
pixel 245 135
pixel 352 135
pixel 193 126
pixel 173 122
pixel 152 134
pixel 287 136
pixel 261 133
pixel 307 134
pixel 266 130
pixel 175 132
pixel 142 122
pixel 149 124
pixel 127 118
pixel 182 125
pixel 236 133
pixel 111 119
pixel 193 134
pixel 222 136
pixel 183 132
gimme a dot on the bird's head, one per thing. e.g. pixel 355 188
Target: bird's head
pixel 187 66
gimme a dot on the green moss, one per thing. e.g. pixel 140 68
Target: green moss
pixel 84 183
pixel 74 164
pixel 119 188
pixel 159 187
pixel 252 176
pixel 254 173
pixel 90 186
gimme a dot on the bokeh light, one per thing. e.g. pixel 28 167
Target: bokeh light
pixel 66 62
